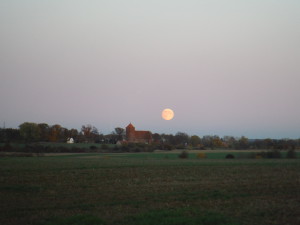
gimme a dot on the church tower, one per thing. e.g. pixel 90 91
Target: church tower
pixel 130 133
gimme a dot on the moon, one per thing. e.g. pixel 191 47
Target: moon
pixel 167 114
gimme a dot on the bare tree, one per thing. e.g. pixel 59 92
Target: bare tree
pixel 120 133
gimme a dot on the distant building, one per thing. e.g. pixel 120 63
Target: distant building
pixel 70 141
pixel 135 136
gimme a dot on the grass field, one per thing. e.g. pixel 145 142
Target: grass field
pixel 148 188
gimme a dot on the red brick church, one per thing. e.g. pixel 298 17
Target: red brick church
pixel 137 136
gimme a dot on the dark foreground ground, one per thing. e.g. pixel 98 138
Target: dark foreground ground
pixel 148 189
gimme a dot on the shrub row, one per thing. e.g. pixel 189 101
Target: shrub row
pixel 39 148
pixel 134 147
pixel 275 154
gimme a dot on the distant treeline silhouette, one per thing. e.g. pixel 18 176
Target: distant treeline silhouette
pixel 42 132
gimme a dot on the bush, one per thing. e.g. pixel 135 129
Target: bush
pixel 258 156
pixel 291 154
pixel 151 148
pixel 183 155
pixel 137 149
pixel 247 155
pixel 77 150
pixel 33 148
pixel 141 145
pixel 167 147
pixel 229 156
pixel 131 145
pixel 201 155
pixel 104 146
pixel 181 146
pixel 116 148
pixel 93 147
pixel 63 149
pixel 7 147
pixel 125 148
pixel 275 154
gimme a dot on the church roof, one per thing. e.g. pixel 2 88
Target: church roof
pixel 142 134
pixel 130 126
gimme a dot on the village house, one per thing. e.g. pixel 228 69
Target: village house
pixel 70 141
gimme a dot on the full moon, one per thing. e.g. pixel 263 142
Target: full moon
pixel 167 114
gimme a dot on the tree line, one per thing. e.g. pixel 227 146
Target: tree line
pixel 42 132
pixel 183 140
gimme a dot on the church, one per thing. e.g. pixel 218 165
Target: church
pixel 135 136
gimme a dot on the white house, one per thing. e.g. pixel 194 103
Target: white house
pixel 70 141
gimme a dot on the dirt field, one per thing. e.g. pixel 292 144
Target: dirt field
pixel 148 189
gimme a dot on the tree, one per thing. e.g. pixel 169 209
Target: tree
pixel 120 133
pixel 195 141
pixel 243 143
pixel 258 144
pixel 110 138
pixel 86 130
pixel 95 136
pixel 207 141
pixel 29 132
pixel 2 135
pixel 63 134
pixel 268 143
pixel 44 130
pixel 89 132
pixel 217 142
pixel 73 133
pixel 181 138
pixel 9 135
pixel 168 139
pixel 230 142
pixel 156 138
pixel 55 133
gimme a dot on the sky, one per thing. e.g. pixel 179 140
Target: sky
pixel 225 67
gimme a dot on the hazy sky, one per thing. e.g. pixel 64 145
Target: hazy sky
pixel 225 67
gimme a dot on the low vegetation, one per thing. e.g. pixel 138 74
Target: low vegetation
pixel 149 188
pixel 183 155
pixel 38 149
